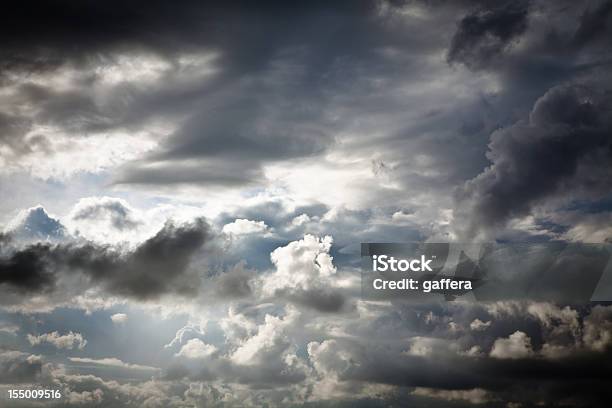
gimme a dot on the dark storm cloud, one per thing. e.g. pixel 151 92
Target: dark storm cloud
pixel 73 29
pixel 535 159
pixel 157 266
pixel 28 270
pixel 595 24
pixel 513 380
pixel 230 136
pixel 380 354
pixel 488 32
pixel 270 97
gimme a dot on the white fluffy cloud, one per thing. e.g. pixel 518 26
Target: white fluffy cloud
pixel 66 341
pixel 268 343
pixel 302 264
pixel 517 345
pixel 328 358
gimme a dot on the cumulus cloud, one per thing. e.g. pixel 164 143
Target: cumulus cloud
pixel 269 356
pixel 517 345
pixel 35 224
pixel 304 272
pixel 68 341
pixel 598 329
pixel 302 264
pixel 269 342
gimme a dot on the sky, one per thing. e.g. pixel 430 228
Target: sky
pixel 184 188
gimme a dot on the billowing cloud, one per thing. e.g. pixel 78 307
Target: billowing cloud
pixel 305 274
pixel 598 329
pixel 157 266
pixel 35 224
pixel 567 130
pixel 517 345
pixel 302 263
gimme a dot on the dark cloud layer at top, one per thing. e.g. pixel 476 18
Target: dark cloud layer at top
pixel 268 100
pixel 285 79
pixel 111 25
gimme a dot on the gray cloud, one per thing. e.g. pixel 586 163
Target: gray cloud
pixel 157 266
pixel 115 210
pixel 536 159
pixel 594 23
pixel 27 270
pixel 363 115
pixel 489 31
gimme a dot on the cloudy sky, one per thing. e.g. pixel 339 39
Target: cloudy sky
pixel 185 187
